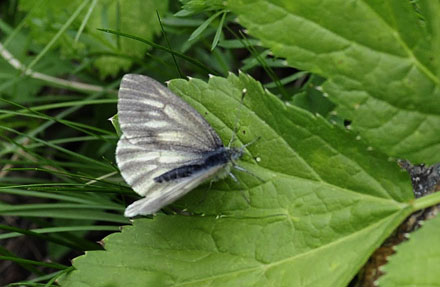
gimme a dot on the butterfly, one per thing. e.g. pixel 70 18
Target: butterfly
pixel 167 148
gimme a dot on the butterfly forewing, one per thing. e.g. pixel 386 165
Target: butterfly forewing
pixel 160 133
pixel 150 113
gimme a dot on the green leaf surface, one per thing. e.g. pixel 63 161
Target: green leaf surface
pixel 416 261
pixel 322 206
pixel 123 16
pixel 311 97
pixel 380 61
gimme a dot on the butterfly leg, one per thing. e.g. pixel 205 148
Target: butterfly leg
pixel 233 176
pixel 181 211
pixel 237 167
pixel 205 193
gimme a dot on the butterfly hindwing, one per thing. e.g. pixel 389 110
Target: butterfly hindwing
pixel 139 166
pixel 161 195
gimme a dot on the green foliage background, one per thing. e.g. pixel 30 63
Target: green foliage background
pixel 113 53
pixel 336 90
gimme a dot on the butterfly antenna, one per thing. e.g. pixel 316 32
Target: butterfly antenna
pixel 249 143
pixel 237 118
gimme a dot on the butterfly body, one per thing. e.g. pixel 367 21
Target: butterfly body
pixel 167 148
pixel 220 157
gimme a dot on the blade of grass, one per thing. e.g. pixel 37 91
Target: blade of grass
pixel 33 113
pixel 61 211
pixel 266 68
pixel 72 140
pixel 218 33
pixel 30 268
pixel 48 238
pixel 5 209
pixel 63 150
pixel 57 106
pixel 32 262
pixel 160 47
pixel 47 124
pixel 252 61
pixel 64 229
pixel 51 277
pixel 203 27
pixel 168 44
pixel 255 53
pixel 238 44
pixel 287 80
pixel 84 21
pixel 30 155
pixel 47 195
pixel 76 176
pixel 58 275
pixel 141 61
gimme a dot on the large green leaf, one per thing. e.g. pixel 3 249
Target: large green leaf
pixel 322 206
pixel 136 17
pixel 416 262
pixel 381 62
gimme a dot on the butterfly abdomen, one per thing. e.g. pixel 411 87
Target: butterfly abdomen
pixel 209 160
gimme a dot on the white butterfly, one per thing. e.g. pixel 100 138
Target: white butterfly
pixel 166 148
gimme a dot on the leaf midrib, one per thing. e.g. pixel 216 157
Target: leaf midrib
pixel 266 267
pixel 410 54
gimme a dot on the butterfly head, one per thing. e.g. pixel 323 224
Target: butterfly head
pixel 234 153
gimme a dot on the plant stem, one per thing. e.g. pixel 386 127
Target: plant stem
pixel 39 76
pixel 427 201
